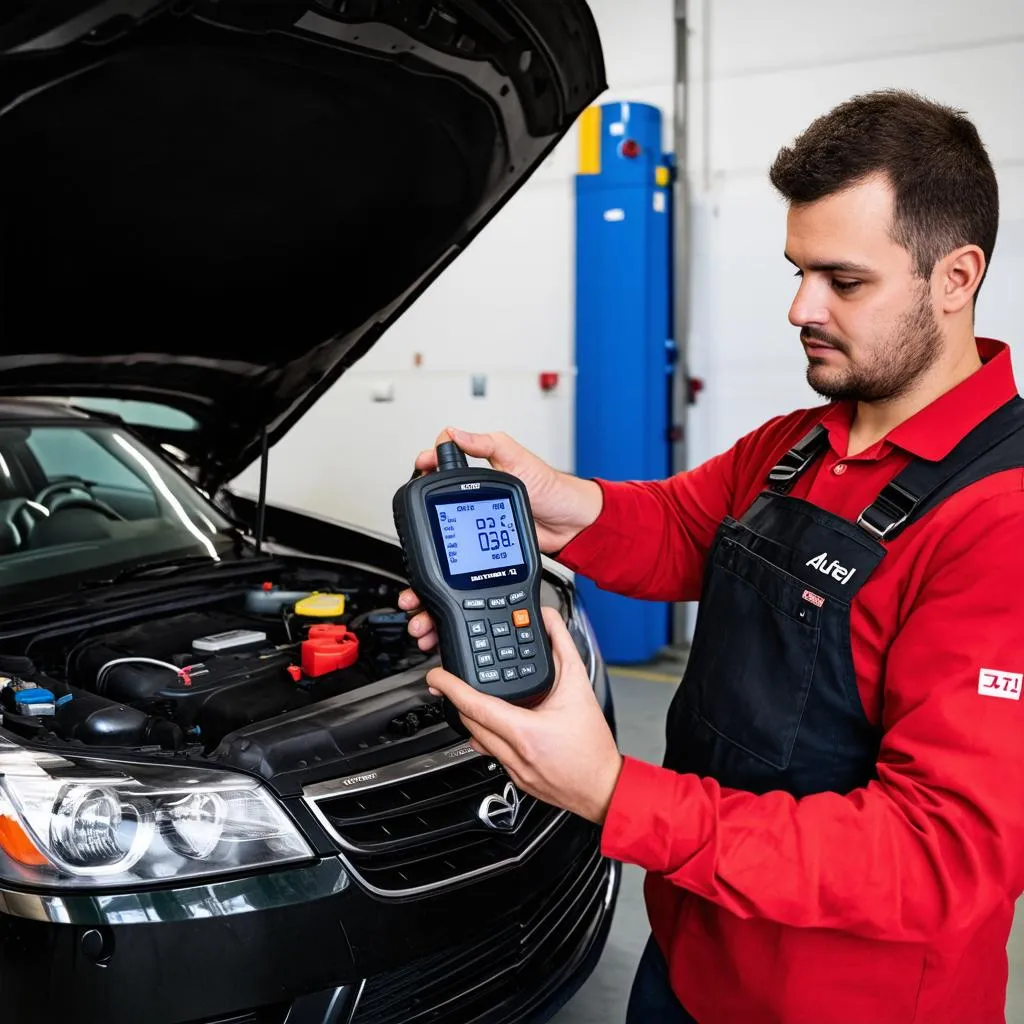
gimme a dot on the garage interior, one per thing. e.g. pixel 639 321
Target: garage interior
pixel 731 80
pixel 559 323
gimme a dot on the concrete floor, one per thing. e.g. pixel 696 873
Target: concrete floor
pixel 641 704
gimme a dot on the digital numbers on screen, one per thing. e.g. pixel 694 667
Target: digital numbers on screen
pixel 479 534
pixel 493 534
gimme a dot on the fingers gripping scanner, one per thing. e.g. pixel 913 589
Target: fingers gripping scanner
pixel 471 554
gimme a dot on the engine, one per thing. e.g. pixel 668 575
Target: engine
pixel 188 680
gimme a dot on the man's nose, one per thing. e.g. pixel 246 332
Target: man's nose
pixel 808 306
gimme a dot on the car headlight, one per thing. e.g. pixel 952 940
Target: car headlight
pixel 71 822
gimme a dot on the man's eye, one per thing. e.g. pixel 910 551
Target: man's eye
pixel 844 286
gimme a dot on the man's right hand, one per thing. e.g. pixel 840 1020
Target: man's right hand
pixel 563 505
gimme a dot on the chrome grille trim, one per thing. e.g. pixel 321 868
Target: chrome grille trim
pixel 388 775
pixel 395 774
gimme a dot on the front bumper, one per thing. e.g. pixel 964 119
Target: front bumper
pixel 306 946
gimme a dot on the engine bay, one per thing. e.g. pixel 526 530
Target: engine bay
pixel 188 681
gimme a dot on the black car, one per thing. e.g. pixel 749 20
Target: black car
pixel 225 791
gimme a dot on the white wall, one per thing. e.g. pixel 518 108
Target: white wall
pixel 504 309
pixel 761 72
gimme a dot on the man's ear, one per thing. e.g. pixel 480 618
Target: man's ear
pixel 959 276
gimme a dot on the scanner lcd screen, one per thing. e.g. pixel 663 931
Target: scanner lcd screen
pixel 479 535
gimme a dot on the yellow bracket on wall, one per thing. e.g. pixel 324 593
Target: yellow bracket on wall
pixel 590 141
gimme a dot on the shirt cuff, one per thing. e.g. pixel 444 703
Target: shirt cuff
pixel 605 534
pixel 653 819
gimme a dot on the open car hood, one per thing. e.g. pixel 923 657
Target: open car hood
pixel 220 205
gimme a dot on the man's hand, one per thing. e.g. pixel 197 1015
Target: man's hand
pixel 562 505
pixel 560 751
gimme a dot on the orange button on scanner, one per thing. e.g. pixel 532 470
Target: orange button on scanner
pixel 520 618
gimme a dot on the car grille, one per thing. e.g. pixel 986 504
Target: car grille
pixel 514 968
pixel 420 830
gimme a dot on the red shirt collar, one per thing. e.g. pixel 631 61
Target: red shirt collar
pixel 935 431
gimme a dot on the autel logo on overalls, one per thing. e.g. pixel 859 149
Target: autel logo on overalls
pixel 833 568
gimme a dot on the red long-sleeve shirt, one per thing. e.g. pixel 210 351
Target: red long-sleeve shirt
pixel 892 904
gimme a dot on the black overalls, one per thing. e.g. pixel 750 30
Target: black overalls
pixel 769 698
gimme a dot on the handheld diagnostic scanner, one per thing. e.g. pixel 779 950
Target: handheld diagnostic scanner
pixel 472 557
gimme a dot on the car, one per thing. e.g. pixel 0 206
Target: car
pixel 226 794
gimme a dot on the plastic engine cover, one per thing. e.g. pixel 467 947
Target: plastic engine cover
pixel 220 691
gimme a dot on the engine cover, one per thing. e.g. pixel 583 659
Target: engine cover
pixel 209 693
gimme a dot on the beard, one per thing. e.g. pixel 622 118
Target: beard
pixel 895 366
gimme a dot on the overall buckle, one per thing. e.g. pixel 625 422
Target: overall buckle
pixel 793 463
pixel 888 512
pixel 783 474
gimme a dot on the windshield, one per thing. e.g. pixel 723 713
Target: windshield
pixel 80 501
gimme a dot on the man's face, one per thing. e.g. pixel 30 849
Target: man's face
pixel 867 321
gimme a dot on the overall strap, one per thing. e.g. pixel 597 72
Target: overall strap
pixel 792 465
pixel 995 445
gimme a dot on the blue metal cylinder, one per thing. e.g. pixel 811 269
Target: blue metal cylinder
pixel 624 349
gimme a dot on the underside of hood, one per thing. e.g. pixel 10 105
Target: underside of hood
pixel 221 205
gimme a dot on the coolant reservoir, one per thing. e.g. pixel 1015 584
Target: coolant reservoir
pixel 271 600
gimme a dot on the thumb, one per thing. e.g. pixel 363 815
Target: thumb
pixel 489 711
pixel 477 445
pixel 480 446
pixel 442 683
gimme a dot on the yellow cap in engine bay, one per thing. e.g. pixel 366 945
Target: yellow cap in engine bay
pixel 321 606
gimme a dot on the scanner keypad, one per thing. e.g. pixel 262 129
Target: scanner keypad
pixel 503 643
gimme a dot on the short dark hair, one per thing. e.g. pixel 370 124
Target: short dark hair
pixel 944 187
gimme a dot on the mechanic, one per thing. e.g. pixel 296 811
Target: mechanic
pixel 836 835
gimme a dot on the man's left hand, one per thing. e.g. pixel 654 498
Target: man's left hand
pixel 561 750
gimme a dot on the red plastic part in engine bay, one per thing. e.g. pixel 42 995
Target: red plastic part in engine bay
pixel 328 649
